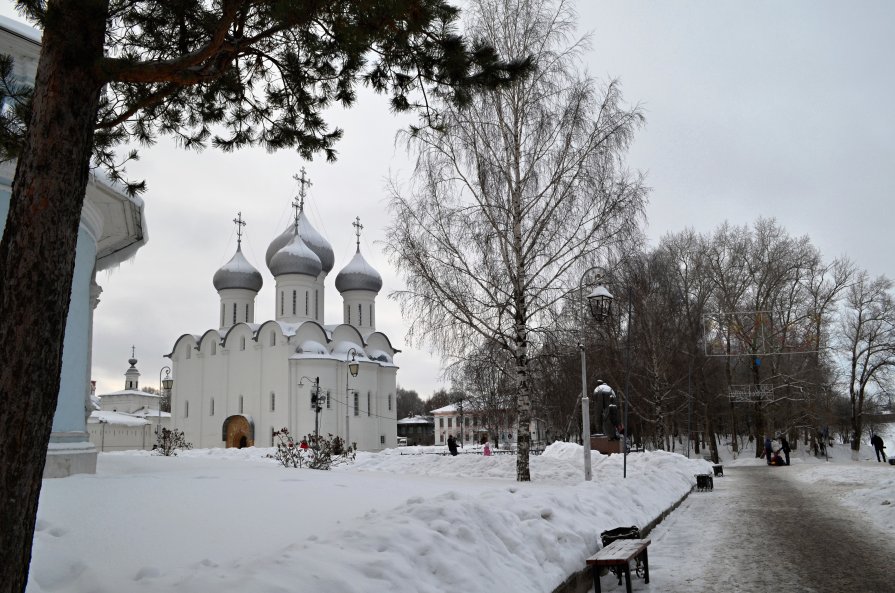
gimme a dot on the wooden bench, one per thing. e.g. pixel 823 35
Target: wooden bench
pixel 620 553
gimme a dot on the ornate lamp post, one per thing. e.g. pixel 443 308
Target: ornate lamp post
pixel 352 367
pixel 599 303
pixel 164 386
pixel 316 400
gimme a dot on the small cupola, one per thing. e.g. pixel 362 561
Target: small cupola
pixel 237 283
pixel 132 375
pixel 358 274
pixel 238 273
pixel 359 283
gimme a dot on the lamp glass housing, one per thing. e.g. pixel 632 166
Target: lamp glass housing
pixel 600 303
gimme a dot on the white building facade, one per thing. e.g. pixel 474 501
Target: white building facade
pixel 128 419
pixel 112 229
pixel 235 385
pixel 468 424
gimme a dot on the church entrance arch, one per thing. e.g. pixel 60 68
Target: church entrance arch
pixel 239 431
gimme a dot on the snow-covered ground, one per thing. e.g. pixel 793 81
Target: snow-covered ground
pixel 233 520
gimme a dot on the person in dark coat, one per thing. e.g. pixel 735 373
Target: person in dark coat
pixel 878 446
pixel 768 453
pixel 452 445
pixel 784 446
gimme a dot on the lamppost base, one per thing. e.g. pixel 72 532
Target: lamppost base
pixel 605 445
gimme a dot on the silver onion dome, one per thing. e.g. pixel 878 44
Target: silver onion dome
pixel 313 239
pixel 238 273
pixel 295 258
pixel 358 275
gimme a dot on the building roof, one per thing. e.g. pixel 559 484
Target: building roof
pixel 448 409
pixel 130 392
pixel 416 420
pixel 101 417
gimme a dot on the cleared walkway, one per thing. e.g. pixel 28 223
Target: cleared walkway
pixel 760 531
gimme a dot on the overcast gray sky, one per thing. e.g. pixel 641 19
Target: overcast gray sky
pixel 779 109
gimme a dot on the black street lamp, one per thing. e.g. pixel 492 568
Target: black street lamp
pixel 317 401
pixel 599 302
pixel 164 386
pixel 353 368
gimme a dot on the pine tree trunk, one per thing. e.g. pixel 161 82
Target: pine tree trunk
pixel 37 257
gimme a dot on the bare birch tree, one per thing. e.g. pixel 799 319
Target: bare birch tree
pixel 512 195
pixel 868 343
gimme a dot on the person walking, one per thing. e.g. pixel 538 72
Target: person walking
pixel 452 445
pixel 768 453
pixel 878 446
pixel 784 446
pixel 486 447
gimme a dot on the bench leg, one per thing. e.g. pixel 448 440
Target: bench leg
pixel 628 577
pixel 595 571
pixel 645 566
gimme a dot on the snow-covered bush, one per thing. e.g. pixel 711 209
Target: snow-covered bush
pixel 168 441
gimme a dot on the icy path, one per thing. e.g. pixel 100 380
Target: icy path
pixel 763 530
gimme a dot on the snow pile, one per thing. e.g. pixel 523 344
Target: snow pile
pixel 232 520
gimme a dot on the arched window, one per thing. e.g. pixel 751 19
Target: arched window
pixel 307 301
pixel 389 402
pixel 240 404
pixel 282 301
pixel 329 400
pixel 273 401
pixel 211 407
pixel 347 314
pixel 242 343
pixel 360 314
pixel 369 410
pixel 247 313
pixel 317 304
pixel 371 315
pixel 293 301
pixel 273 338
pixel 356 403
pixel 186 409
pixel 223 310
pixel 234 313
pixel 214 348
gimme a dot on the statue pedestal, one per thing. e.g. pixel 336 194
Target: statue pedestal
pixel 605 445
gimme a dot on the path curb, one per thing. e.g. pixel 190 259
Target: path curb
pixel 582 582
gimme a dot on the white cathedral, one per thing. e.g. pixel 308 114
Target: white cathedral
pixel 238 384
